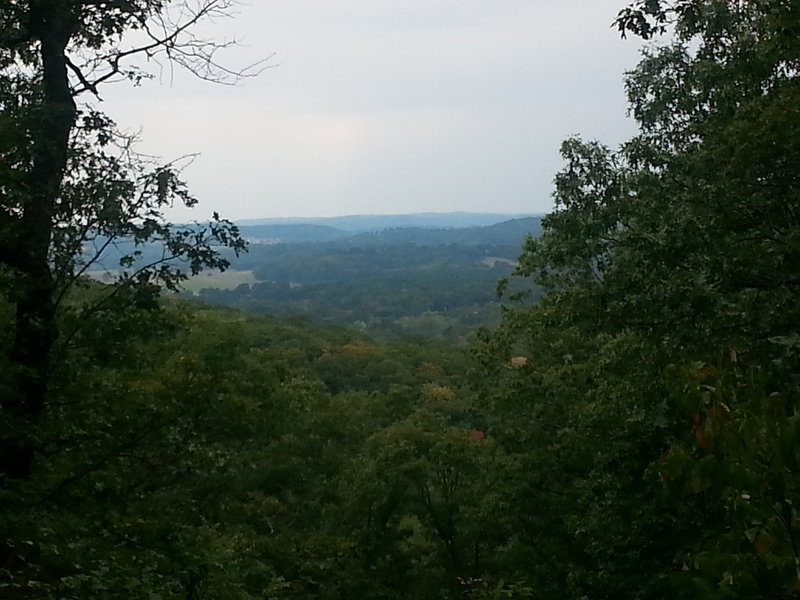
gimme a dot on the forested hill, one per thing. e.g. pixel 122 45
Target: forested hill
pixel 291 232
pixel 405 281
pixel 500 234
pixel 444 229
pixel 634 433
pixel 362 223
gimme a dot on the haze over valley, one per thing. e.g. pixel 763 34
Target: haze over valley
pixel 552 354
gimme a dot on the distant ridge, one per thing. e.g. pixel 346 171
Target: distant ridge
pixel 368 223
pixel 365 231
pixel 505 232
pixel 268 233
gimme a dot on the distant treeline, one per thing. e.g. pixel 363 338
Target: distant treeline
pixel 431 282
pixel 493 234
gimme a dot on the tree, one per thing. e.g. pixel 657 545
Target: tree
pixel 70 181
pixel 661 378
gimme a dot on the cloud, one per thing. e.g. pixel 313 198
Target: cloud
pixel 390 107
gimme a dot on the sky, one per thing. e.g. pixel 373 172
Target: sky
pixel 388 107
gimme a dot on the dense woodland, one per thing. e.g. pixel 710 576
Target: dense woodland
pixel 403 281
pixel 628 429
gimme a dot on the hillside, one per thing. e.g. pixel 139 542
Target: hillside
pixel 362 223
pixel 634 433
pixel 402 281
pixel 416 229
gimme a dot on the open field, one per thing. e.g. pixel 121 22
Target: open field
pixel 227 280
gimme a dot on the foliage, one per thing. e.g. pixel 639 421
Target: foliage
pixel 658 399
pixel 633 433
pixel 206 453
pixel 69 180
pixel 383 283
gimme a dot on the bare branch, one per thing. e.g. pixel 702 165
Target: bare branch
pixel 171 36
pixel 87 85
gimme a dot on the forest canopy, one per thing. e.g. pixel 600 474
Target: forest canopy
pixel 70 180
pixel 633 433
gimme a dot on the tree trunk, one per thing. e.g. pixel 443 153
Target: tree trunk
pixel 53 23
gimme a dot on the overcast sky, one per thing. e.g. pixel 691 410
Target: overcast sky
pixel 389 107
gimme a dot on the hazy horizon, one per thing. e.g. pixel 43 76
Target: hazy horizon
pixel 407 214
pixel 384 108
